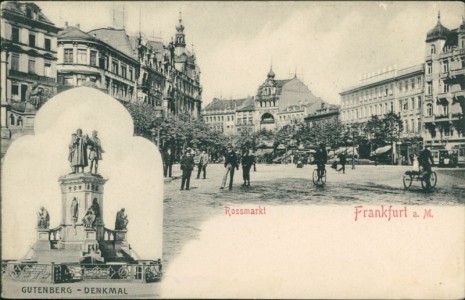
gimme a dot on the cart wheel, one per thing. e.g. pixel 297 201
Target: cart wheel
pixel 433 179
pixel 407 181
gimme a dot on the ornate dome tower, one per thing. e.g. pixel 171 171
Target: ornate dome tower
pixel 436 38
pixel 180 40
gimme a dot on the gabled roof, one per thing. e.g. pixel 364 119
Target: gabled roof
pixel 117 38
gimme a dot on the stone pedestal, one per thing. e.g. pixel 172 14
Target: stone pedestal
pixel 71 241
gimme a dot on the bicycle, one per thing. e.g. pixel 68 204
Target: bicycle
pixel 315 177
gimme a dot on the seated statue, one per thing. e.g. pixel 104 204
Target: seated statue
pixel 122 221
pixel 89 218
pixel 43 218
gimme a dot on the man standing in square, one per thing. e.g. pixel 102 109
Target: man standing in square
pixel 230 163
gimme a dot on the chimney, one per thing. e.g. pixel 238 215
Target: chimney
pixel 78 26
pixel 66 24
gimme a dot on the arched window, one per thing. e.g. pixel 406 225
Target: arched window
pixel 429 109
pixel 433 49
pixel 19 121
pixel 12 119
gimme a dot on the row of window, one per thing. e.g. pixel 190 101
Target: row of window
pixel 117 68
pixel 382 91
pixel 220 118
pixel 367 111
pixel 410 103
pixel 32 39
pixel 443 87
pixel 412 125
pixel 288 117
pixel 31 65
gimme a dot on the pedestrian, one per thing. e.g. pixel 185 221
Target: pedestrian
pixel 321 158
pixel 203 164
pixel 187 165
pixel 342 161
pixel 425 159
pixel 167 163
pixel 247 162
pixel 230 163
pixel 254 161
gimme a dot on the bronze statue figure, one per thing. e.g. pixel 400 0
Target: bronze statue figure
pixel 89 218
pixel 43 218
pixel 78 151
pixel 96 151
pixel 122 221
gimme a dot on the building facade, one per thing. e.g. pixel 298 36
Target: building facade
pixel 429 98
pixel 445 87
pixel 327 113
pixel 278 103
pixel 85 59
pixel 399 91
pixel 132 68
pixel 28 67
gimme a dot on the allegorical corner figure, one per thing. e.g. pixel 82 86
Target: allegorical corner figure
pixel 121 221
pixel 43 218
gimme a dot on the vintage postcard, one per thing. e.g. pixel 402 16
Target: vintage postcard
pixel 259 149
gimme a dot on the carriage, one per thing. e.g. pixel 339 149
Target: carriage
pixel 419 175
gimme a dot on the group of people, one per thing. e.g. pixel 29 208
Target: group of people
pixel 231 163
pixel 200 159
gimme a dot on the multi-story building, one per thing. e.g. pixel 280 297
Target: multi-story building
pixel 184 92
pixel 278 103
pixel 288 99
pixel 220 114
pixel 85 59
pixel 327 113
pixel 399 91
pixel 445 87
pixel 28 67
pixel 429 98
pixel 132 68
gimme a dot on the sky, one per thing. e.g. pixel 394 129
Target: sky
pixel 328 45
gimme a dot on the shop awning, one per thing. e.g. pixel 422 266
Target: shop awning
pixel 381 150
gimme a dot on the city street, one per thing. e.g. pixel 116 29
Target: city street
pixel 186 211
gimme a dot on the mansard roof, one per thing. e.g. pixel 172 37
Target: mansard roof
pixel 220 104
pixel 117 38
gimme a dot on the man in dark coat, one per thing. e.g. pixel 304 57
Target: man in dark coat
pixel 342 161
pixel 167 163
pixel 321 158
pixel 187 165
pixel 425 160
pixel 230 163
pixel 247 162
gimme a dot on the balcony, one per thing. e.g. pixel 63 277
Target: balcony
pixel 442 98
pixel 444 75
pixel 33 77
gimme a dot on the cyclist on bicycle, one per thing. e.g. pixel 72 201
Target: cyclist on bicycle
pixel 321 158
pixel 424 160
